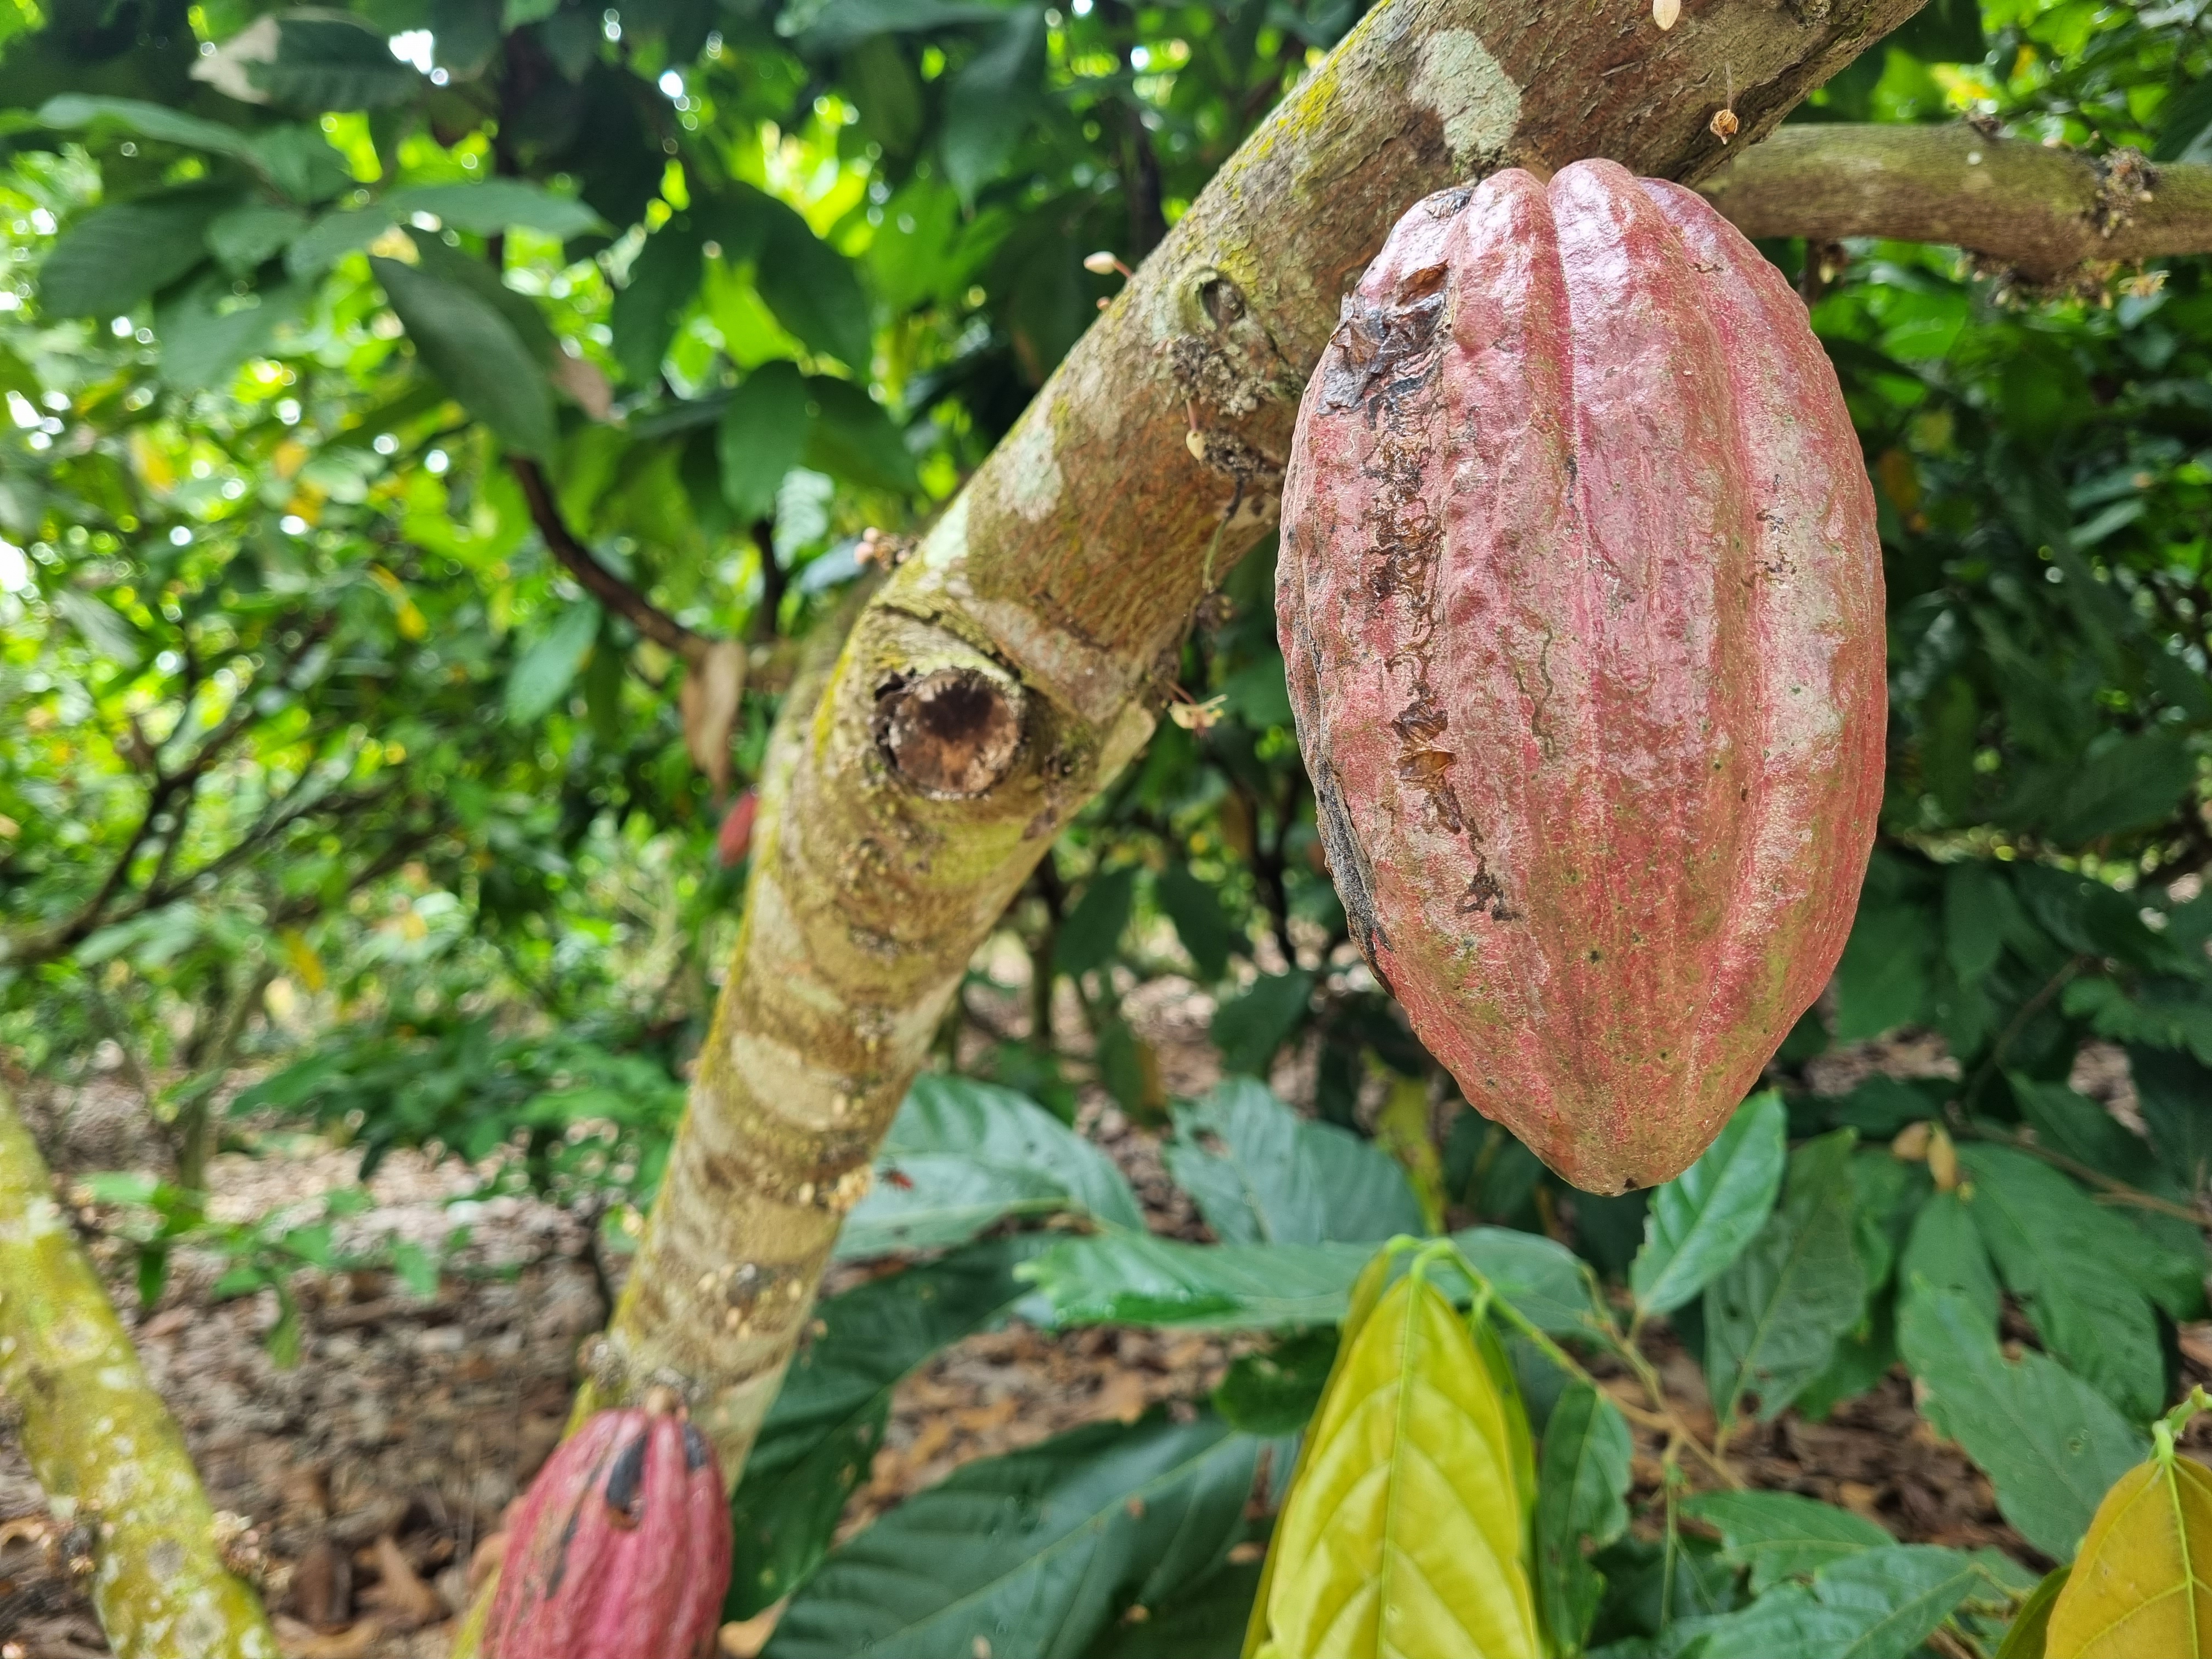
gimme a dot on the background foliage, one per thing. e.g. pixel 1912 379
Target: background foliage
pixel 313 750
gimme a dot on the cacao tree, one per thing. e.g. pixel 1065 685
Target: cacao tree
pixel 457 446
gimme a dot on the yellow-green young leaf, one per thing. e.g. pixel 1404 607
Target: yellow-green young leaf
pixel 1404 1532
pixel 2142 1582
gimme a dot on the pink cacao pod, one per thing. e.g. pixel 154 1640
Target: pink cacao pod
pixel 1581 604
pixel 735 838
pixel 621 1549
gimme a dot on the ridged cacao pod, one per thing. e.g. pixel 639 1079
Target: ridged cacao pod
pixel 621 1549
pixel 1581 604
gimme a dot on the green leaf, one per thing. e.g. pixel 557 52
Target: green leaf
pixel 1250 1026
pixel 963 1155
pixel 330 238
pixel 1945 1250
pixel 2057 1250
pixel 301 162
pixel 820 1437
pixel 2188 120
pixel 1032 1554
pixel 2024 1637
pixel 243 237
pixel 1282 1179
pixel 1779 1535
pixel 1403 1530
pixel 2050 1443
pixel 474 351
pixel 1700 1221
pixel 2174 1087
pixel 1976 907
pixel 1274 1391
pixel 1260 695
pixel 762 434
pixel 205 332
pixel 113 258
pixel 1138 1279
pixel 325 60
pixel 811 287
pixel 1205 1621
pixel 852 438
pixel 542 675
pixel 416 1267
pixel 494 206
pixel 1192 905
pixel 1773 1319
pixel 992 101
pixel 1580 1506
pixel 1091 932
pixel 663 278
pixel 1880 1605
pixel 73 110
pixel 1883 980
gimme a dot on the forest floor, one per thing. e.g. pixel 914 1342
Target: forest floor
pixel 374 1468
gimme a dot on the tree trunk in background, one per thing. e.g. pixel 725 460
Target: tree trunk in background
pixel 101 1442
pixel 1013 663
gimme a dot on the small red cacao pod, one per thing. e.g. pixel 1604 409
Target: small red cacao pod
pixel 1581 604
pixel 621 1548
pixel 735 837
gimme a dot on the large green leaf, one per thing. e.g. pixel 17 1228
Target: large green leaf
pixel 1204 1621
pixel 1250 1026
pixel 113 258
pixel 1700 1221
pixel 542 674
pixel 1138 1279
pixel 815 1447
pixel 1582 1483
pixel 2058 1252
pixel 1033 1553
pixel 73 110
pixel 325 60
pixel 1883 980
pixel 1945 1250
pixel 1279 1179
pixel 1779 1535
pixel 2050 1443
pixel 1091 932
pixel 811 287
pixel 465 340
pixel 663 278
pixel 2175 1087
pixel 852 438
pixel 1200 923
pixel 1882 1604
pixel 992 100
pixel 2132 782
pixel 961 1155
pixel 1403 1530
pixel 1773 1319
pixel 206 332
pixel 760 438
pixel 493 205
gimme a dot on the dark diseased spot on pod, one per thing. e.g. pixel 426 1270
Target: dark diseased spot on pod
pixel 697 1452
pixel 625 1487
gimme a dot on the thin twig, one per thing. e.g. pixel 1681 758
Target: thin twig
pixel 601 583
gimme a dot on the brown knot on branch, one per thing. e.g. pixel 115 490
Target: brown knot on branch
pixel 952 732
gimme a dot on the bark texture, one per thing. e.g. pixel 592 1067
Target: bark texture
pixel 100 1440
pixel 1014 662
pixel 2042 211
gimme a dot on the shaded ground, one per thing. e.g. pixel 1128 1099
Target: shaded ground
pixel 374 1468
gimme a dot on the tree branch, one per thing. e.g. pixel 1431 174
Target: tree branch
pixel 2042 211
pixel 1014 664
pixel 99 1439
pixel 601 583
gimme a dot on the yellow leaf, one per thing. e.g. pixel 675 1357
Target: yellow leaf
pixel 305 962
pixel 287 457
pixel 1404 1532
pixel 151 464
pixel 2142 1582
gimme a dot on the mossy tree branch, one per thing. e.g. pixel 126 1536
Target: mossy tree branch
pixel 2040 209
pixel 100 1440
pixel 1013 665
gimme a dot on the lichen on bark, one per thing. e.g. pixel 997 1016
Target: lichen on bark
pixel 100 1440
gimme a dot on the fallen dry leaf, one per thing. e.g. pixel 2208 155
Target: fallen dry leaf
pixel 400 1591
pixel 299 1641
pixel 744 1638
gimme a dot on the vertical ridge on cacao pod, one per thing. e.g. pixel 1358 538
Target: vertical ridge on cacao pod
pixel 621 1549
pixel 1581 599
